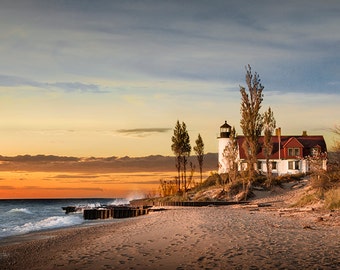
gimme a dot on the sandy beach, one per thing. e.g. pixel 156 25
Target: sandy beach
pixel 224 237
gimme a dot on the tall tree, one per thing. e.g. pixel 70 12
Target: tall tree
pixel 199 150
pixel 230 155
pixel 269 125
pixel 186 150
pixel 176 147
pixel 181 148
pixel 251 119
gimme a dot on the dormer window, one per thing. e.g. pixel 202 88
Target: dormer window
pixel 315 151
pixel 293 152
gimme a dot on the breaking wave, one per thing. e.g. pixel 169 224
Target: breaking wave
pixel 20 210
pixel 44 224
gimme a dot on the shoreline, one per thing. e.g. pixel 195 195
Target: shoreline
pixel 49 232
pixel 222 237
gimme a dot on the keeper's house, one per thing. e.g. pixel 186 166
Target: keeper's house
pixel 290 154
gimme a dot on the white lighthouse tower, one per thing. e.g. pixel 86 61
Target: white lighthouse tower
pixel 223 141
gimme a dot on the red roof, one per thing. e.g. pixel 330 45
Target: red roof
pixel 304 142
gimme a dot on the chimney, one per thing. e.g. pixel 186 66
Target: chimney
pixel 304 133
pixel 278 131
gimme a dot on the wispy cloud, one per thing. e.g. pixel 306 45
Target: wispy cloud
pixel 67 176
pixel 7 187
pixel 142 132
pixel 14 81
pixel 77 87
pixel 62 188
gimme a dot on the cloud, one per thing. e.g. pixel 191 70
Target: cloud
pixel 77 87
pixel 142 132
pixel 7 187
pixel 67 176
pixel 14 81
pixel 152 182
pixel 61 188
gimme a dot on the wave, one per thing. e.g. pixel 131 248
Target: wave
pixel 20 210
pixel 44 224
pixel 120 201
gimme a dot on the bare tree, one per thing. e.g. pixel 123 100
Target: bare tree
pixel 251 119
pixel 269 125
pixel 199 150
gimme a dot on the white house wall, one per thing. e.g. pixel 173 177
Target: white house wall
pixel 283 168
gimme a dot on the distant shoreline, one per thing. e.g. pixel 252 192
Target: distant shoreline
pixel 51 163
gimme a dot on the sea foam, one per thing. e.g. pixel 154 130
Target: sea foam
pixel 44 224
pixel 20 210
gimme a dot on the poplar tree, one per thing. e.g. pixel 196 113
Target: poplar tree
pixel 230 155
pixel 199 150
pixel 251 120
pixel 181 148
pixel 269 125
pixel 177 150
pixel 186 150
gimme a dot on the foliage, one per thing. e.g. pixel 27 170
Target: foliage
pixel 307 199
pixel 332 199
pixel 279 180
pixel 167 188
pixel 199 151
pixel 177 149
pixel 212 180
pixel 269 125
pixel 336 147
pixel 251 120
pixel 181 148
pixel 234 188
pixel 325 183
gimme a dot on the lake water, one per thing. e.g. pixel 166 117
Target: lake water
pixel 19 217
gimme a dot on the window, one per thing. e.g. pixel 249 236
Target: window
pixel 314 151
pixel 259 165
pixel 297 165
pixel 244 166
pixel 274 165
pixel 294 165
pixel 293 152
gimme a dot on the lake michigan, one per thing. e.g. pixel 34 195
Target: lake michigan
pixel 22 216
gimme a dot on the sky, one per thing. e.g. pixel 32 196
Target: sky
pixel 111 78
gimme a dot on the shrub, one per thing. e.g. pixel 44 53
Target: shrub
pixel 279 180
pixel 212 180
pixel 307 200
pixel 332 199
pixel 234 188
pixel 321 182
pixel 167 188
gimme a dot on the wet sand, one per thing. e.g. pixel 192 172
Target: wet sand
pixel 225 237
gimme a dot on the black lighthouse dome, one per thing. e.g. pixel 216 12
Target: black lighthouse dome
pixel 225 130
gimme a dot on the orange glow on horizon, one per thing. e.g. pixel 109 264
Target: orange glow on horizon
pixel 29 185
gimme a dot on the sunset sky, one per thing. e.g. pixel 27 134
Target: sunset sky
pixel 111 78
